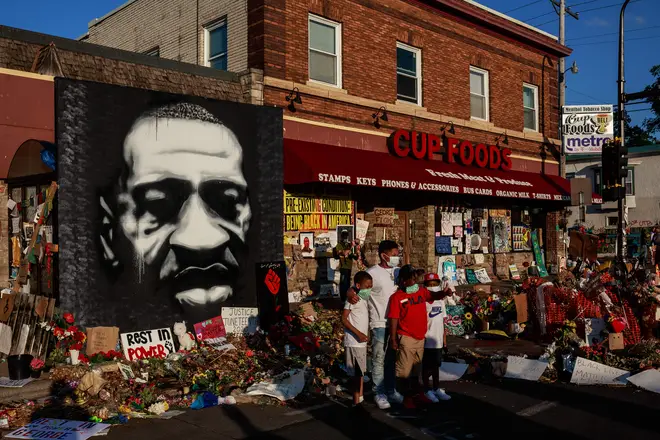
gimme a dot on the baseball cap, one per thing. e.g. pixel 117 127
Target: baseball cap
pixel 431 277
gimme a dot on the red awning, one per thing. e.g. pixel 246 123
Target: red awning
pixel 306 162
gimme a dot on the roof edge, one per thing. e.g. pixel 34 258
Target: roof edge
pixel 109 14
pixel 114 54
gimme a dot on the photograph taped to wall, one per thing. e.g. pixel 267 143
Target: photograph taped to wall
pixel 166 197
pixel 306 243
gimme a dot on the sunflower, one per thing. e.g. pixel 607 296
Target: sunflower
pixel 468 316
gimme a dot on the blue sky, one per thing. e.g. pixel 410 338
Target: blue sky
pixel 593 37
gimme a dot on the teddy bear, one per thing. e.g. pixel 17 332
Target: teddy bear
pixel 186 339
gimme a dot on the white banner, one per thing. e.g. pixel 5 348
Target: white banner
pixel 586 128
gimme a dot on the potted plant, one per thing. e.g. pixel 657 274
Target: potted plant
pixel 36 367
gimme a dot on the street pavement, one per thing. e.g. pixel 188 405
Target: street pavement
pixel 477 410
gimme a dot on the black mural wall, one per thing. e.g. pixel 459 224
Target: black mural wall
pixel 166 202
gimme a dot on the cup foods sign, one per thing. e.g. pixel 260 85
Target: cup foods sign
pixel 586 128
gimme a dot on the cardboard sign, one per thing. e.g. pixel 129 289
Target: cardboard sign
pixel 521 307
pixel 58 429
pixel 210 329
pixel 526 369
pixel 588 372
pixel 616 341
pixel 147 344
pixel 240 320
pixel 384 216
pixel 361 228
pixel 272 292
pixel 101 339
pixel 7 305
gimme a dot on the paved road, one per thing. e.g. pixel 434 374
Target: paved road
pixel 477 410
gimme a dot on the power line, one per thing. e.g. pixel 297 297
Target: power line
pixel 539 16
pixel 523 6
pixel 615 41
pixel 596 100
pixel 613 33
pixel 604 7
pixel 583 3
pixel 546 22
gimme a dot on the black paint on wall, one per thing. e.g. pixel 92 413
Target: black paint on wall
pixel 150 214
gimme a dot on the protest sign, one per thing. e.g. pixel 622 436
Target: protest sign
pixel 450 371
pixel 211 328
pixel 526 369
pixel 588 372
pixel 58 429
pixel 147 344
pixel 240 320
pixel 101 339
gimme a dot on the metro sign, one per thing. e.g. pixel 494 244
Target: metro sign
pixel 424 146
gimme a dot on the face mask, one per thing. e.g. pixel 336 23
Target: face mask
pixel 434 289
pixel 364 294
pixel 412 289
pixel 394 261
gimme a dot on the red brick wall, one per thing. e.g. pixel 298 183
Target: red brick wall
pixel 370 31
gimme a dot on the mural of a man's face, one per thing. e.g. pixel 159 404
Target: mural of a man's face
pixel 183 203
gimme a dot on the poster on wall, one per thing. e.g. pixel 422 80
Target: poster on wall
pixel 164 197
pixel 303 213
pixel 586 127
pixel 538 255
pixel 272 292
pixel 306 241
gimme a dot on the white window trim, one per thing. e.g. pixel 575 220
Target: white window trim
pixel 418 67
pixel 486 93
pixel 207 41
pixel 536 108
pixel 337 26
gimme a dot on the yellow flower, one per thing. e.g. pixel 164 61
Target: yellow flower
pixel 468 316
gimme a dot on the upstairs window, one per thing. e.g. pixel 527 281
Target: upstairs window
pixel 324 51
pixel 479 93
pixel 531 107
pixel 215 45
pixel 155 52
pixel 630 182
pixel 408 74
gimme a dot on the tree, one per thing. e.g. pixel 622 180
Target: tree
pixel 652 124
pixel 635 135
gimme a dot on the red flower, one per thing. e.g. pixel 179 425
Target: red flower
pixel 72 329
pixel 83 358
pixel 79 336
pixel 249 353
pixel 68 317
pixel 58 332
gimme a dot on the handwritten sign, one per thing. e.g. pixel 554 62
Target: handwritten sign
pixel 361 228
pixel 147 344
pixel 450 371
pixel 384 216
pixel 101 339
pixel 211 328
pixel 58 429
pixel 526 369
pixel 240 320
pixel 588 372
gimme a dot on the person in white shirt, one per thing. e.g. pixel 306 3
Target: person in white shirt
pixel 436 340
pixel 356 322
pixel 382 356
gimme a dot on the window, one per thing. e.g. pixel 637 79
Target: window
pixel 598 185
pixel 324 51
pixel 478 93
pixel 408 74
pixel 612 222
pixel 215 45
pixel 155 52
pixel 531 107
pixel 630 182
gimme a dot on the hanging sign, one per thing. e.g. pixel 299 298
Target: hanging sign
pixel 310 214
pixel 585 128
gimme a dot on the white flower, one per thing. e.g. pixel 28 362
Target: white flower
pixel 158 408
pixel 67 333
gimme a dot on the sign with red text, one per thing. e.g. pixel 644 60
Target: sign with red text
pixel 58 429
pixel 147 344
pixel 425 146
pixel 210 329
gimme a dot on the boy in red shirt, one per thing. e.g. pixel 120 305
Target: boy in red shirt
pixel 408 326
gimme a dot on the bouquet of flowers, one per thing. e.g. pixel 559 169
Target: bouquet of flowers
pixel 67 336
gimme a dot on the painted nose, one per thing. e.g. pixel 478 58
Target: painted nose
pixel 197 229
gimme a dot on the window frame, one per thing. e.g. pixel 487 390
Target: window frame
pixel 153 52
pixel 598 181
pixel 486 96
pixel 607 222
pixel 631 174
pixel 338 46
pixel 207 42
pixel 418 67
pixel 536 107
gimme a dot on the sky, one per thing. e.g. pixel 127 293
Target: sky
pixel 593 37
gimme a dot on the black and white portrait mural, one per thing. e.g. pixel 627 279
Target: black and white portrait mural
pixel 166 203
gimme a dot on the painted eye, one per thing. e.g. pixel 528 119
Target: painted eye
pixel 224 198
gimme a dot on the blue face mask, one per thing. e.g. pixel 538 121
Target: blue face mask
pixel 412 289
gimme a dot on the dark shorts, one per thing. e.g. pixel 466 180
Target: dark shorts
pixel 432 357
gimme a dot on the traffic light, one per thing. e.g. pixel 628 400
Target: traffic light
pixel 622 161
pixel 615 168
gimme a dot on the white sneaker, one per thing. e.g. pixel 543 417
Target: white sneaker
pixel 361 399
pixel 396 397
pixel 382 402
pixel 441 395
pixel 431 396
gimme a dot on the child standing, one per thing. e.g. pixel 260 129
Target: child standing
pixel 436 340
pixel 408 326
pixel 356 322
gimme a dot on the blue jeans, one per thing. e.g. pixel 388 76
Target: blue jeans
pixel 382 360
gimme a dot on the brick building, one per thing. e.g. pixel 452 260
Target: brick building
pixel 363 71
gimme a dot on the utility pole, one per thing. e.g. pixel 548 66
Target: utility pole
pixel 621 98
pixel 562 11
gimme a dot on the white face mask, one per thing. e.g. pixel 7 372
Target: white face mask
pixel 434 288
pixel 394 261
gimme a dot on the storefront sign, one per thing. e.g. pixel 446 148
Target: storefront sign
pixel 425 146
pixel 586 127
pixel 309 213
pixel 147 344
